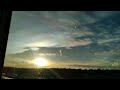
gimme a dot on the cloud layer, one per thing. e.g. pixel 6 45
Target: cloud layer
pixel 79 36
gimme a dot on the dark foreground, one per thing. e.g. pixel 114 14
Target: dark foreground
pixel 21 73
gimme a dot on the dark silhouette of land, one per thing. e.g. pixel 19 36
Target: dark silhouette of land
pixel 59 73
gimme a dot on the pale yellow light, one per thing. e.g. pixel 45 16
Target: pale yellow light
pixel 40 62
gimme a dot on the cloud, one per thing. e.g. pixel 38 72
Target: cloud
pixel 104 14
pixel 80 42
pixel 96 64
pixel 77 56
pixel 111 54
pixel 108 40
pixel 85 37
pixel 50 28
pixel 92 64
pixel 116 64
pixel 15 62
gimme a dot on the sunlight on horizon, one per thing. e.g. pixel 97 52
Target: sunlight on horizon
pixel 40 62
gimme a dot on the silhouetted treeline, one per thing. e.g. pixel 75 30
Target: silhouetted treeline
pixel 57 73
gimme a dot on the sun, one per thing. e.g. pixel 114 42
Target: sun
pixel 40 62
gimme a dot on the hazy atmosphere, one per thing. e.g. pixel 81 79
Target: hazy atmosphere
pixel 64 39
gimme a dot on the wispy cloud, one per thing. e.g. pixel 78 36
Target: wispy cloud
pixel 86 37
pixel 102 41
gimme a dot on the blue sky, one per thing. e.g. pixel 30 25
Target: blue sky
pixel 67 37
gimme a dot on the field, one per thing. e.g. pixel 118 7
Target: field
pixel 59 73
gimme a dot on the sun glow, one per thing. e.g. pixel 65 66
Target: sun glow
pixel 41 62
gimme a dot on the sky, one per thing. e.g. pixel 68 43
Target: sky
pixel 69 39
